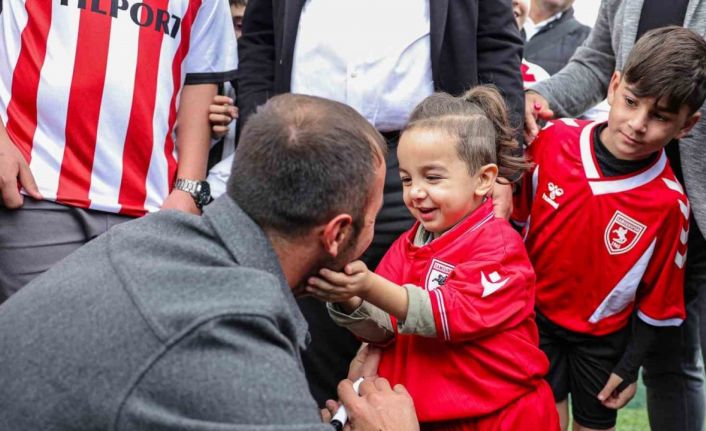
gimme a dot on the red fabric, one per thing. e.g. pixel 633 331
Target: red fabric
pixel 485 355
pixel 522 414
pixel 601 244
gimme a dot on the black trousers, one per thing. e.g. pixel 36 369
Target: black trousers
pixel 331 349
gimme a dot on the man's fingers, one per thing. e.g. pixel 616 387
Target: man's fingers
pixel 346 394
pixel 382 384
pixel 400 390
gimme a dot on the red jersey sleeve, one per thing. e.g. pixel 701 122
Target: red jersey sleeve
pixel 660 299
pixel 482 298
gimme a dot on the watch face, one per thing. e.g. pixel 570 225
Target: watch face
pixel 203 196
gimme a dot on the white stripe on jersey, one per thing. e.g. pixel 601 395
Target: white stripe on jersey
pixel 53 100
pixel 11 31
pixel 654 322
pixel 617 186
pixel 623 293
pixel 442 315
pixel 587 161
pixel 157 183
pixel 114 116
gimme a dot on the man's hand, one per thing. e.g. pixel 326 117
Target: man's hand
pixel 613 399
pixel 221 113
pixel 502 199
pixel 378 407
pixel 536 108
pixel 365 363
pixel 14 172
pixel 182 201
pixel 335 286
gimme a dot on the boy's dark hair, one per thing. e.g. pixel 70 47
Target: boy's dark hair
pixel 303 159
pixel 669 64
pixel 238 2
pixel 478 121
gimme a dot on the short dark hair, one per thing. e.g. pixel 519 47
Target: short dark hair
pixel 238 2
pixel 478 122
pixel 303 159
pixel 669 64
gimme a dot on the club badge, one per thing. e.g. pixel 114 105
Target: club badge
pixel 622 233
pixel 438 273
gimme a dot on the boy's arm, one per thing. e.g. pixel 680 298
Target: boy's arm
pixel 642 338
pixel 192 142
pixel 588 71
pixel 366 321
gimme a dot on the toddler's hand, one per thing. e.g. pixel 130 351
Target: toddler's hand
pixel 335 286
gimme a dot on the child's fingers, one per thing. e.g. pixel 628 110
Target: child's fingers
pixel 337 278
pixel 222 100
pixel 356 267
pixel 216 118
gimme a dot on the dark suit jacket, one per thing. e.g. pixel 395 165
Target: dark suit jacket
pixel 472 42
pixel 552 47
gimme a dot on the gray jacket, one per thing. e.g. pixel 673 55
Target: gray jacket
pixel 170 322
pixel 584 82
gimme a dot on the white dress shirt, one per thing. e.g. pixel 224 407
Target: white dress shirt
pixel 531 29
pixel 373 55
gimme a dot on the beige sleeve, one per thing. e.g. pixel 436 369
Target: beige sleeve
pixel 420 317
pixel 367 322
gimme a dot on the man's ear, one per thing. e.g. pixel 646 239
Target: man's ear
pixel 688 125
pixel 487 174
pixel 613 86
pixel 335 233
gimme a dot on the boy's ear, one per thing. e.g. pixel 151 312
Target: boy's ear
pixel 688 125
pixel 335 233
pixel 613 86
pixel 487 174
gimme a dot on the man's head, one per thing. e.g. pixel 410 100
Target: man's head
pixel 310 166
pixel 237 10
pixel 657 96
pixel 520 8
pixel 553 5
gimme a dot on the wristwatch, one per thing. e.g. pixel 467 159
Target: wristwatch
pixel 199 190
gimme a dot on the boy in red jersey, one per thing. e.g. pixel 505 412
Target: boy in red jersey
pixel 606 227
pixel 453 298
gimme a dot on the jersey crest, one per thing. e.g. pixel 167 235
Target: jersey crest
pixel 622 233
pixel 438 273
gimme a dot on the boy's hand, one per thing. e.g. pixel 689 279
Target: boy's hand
pixel 220 113
pixel 335 286
pixel 611 398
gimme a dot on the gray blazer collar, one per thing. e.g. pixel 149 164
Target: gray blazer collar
pixel 250 247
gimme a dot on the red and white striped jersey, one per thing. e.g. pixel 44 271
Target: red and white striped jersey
pixel 602 245
pixel 486 352
pixel 89 91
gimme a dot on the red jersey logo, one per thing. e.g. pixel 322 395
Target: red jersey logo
pixel 622 233
pixel 438 273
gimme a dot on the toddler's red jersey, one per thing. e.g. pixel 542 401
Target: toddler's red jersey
pixel 481 286
pixel 602 244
